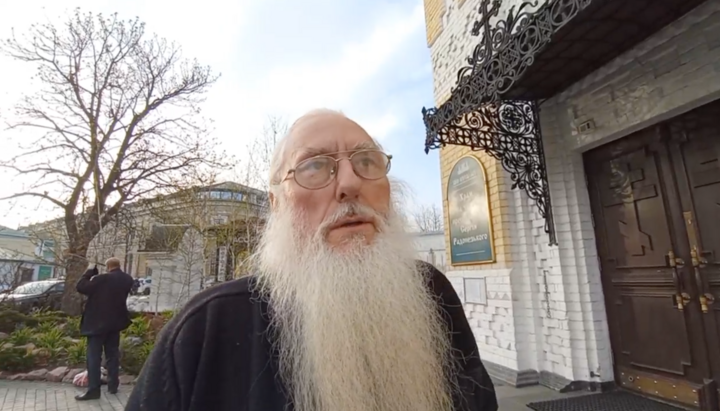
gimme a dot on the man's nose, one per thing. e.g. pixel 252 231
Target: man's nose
pixel 348 183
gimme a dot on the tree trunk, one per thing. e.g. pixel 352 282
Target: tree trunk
pixel 74 269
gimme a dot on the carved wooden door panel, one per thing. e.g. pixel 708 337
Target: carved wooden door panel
pixel 696 156
pixel 656 331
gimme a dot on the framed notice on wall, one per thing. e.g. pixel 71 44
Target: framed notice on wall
pixel 471 235
pixel 476 291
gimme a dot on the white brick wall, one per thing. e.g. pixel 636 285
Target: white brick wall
pixel 545 304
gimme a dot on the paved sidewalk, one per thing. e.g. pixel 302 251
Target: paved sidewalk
pixel 36 396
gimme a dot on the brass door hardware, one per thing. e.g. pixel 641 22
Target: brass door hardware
pixel 681 298
pixel 706 298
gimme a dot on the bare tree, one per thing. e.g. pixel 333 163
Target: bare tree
pixel 256 174
pixel 118 116
pixel 11 272
pixel 429 218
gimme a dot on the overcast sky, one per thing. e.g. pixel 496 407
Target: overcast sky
pixel 367 58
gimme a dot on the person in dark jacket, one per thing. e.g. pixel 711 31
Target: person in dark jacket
pixel 104 317
pixel 337 313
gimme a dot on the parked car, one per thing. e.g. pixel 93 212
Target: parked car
pixel 36 294
pixel 144 286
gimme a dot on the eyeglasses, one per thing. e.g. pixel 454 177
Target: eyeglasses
pixel 318 172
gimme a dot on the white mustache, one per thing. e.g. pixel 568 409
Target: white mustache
pixel 353 210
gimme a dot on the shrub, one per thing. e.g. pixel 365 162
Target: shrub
pixel 77 353
pixel 53 339
pixel 140 327
pixel 21 336
pixel 72 327
pixel 16 360
pixel 134 355
pixel 46 326
pixel 10 319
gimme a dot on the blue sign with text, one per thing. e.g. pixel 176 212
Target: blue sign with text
pixel 469 214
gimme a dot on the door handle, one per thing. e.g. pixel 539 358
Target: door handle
pixel 706 298
pixel 681 298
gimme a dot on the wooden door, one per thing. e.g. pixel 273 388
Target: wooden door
pixel 656 328
pixel 695 148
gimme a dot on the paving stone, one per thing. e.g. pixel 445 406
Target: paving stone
pixel 46 396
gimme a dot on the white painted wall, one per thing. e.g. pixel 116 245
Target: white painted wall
pixel 176 277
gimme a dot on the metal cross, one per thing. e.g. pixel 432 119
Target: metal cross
pixel 486 12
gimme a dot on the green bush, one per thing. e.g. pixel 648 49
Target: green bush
pixel 46 326
pixel 21 336
pixel 11 319
pixel 140 327
pixel 76 353
pixel 53 340
pixel 16 360
pixel 72 327
pixel 134 355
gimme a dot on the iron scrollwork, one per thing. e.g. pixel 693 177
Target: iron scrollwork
pixel 476 116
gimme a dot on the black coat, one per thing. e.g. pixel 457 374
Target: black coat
pixel 216 355
pixel 106 307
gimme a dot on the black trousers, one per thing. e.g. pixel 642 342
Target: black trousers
pixel 110 344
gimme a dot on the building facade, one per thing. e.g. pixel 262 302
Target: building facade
pixel 607 261
pixel 24 258
pixel 182 242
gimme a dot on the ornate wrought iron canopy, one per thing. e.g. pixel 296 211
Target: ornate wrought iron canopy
pixel 476 116
pixel 493 105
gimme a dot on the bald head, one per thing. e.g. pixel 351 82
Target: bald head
pixel 304 125
pixel 112 263
pixel 321 136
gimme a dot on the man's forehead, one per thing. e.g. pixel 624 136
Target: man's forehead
pixel 326 133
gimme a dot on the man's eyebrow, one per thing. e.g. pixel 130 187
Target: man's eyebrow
pixel 310 151
pixel 365 145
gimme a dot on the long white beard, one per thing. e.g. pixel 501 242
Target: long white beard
pixel 357 329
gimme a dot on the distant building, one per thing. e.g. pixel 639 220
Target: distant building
pixel 24 258
pixel 185 241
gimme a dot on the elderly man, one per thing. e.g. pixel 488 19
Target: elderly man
pixel 337 315
pixel 105 315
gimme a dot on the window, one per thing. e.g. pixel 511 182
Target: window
pixel 219 220
pixel 238 196
pixel 48 254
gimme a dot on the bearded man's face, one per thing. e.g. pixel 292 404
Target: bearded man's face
pixel 330 161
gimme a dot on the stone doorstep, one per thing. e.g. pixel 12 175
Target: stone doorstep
pixel 58 375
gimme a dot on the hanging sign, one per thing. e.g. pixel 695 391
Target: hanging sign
pixel 471 237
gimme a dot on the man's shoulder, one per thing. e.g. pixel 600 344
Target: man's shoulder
pixel 430 271
pixel 219 293
pixel 229 298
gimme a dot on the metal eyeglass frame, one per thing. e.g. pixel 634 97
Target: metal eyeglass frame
pixel 333 172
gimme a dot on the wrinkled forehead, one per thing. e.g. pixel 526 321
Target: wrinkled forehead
pixel 326 133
